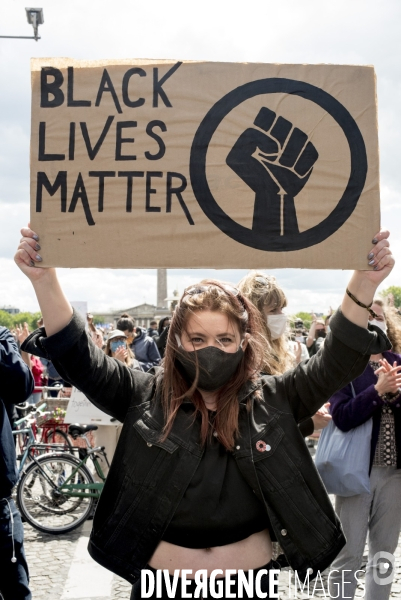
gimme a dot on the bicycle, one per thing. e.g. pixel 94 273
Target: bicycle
pixel 57 492
pixel 28 435
pixel 53 431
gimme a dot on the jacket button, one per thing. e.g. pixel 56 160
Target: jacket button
pixel 237 447
pixel 268 448
pixel 374 402
pixel 149 444
pixel 283 532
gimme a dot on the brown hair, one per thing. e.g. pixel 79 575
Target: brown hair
pixel 125 323
pixel 130 356
pixel 393 322
pixel 262 290
pixel 214 296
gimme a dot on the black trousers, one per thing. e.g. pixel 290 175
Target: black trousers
pixel 14 576
pixel 264 586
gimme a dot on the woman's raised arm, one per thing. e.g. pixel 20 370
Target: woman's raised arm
pixel 55 308
pixel 347 348
pixel 363 284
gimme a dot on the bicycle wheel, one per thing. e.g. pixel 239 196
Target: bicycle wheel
pixel 58 436
pixel 42 503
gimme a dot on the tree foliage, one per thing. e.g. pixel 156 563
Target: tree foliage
pixel 11 321
pixel 6 319
pixel 305 316
pixel 395 291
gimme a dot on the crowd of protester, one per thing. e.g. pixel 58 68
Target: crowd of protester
pixel 287 342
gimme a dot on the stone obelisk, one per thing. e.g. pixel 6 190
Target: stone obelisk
pixel 161 288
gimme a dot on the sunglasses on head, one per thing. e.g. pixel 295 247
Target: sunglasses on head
pixel 200 289
pixel 229 289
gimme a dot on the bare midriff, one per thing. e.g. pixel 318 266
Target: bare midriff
pixel 251 553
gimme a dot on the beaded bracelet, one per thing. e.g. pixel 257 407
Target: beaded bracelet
pixel 368 307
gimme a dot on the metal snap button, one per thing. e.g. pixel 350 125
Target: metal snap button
pixel 149 444
pixel 283 532
pixel 268 448
pixel 309 571
pixel 237 447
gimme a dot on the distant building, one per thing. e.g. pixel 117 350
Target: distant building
pixel 143 314
pixel 10 310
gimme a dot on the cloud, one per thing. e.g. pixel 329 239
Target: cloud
pixel 358 32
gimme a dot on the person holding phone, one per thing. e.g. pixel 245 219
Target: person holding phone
pixel 118 348
pixel 210 467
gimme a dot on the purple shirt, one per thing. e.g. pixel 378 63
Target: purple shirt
pixel 349 412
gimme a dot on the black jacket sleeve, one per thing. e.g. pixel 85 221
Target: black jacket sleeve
pixel 16 381
pixel 105 381
pixel 342 358
pixel 307 427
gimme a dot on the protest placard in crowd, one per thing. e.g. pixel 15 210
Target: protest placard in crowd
pixel 81 410
pixel 141 163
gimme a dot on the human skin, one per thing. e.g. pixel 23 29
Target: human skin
pixel 256 550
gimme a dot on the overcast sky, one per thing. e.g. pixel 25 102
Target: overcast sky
pixel 288 31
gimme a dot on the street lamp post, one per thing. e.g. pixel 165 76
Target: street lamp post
pixel 35 18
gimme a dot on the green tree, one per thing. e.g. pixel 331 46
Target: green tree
pixel 6 319
pixel 395 291
pixel 98 320
pixel 28 317
pixel 306 318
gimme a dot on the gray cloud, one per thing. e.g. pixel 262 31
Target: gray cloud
pixel 357 32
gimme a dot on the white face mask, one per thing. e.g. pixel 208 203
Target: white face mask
pixel 277 325
pixel 381 324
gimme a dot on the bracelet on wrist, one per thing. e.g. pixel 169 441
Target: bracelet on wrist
pixel 389 397
pixel 367 306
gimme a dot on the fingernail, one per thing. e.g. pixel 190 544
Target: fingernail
pixel 35 237
pixel 376 267
pixel 37 247
pixel 32 263
pixel 374 241
pixel 371 262
pixel 38 257
pixel 371 255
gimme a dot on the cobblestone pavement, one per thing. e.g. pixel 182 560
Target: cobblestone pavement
pixel 61 569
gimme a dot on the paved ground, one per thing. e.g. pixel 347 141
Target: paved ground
pixel 61 569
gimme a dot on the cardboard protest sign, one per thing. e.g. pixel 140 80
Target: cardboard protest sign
pixel 80 410
pixel 140 163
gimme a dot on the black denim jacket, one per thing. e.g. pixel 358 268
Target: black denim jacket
pixel 148 477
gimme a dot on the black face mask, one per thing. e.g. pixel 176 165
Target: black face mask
pixel 216 367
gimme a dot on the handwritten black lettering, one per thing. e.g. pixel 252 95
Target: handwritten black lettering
pixel 59 183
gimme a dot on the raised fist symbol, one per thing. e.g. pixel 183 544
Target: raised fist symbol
pixel 275 161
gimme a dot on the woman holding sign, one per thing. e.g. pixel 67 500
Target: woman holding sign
pixel 210 467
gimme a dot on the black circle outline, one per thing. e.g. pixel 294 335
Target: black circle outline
pixel 243 235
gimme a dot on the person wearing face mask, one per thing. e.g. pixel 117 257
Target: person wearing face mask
pixel 117 347
pixel 210 467
pixel 281 353
pixel 108 435
pixel 376 515
pixel 143 346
